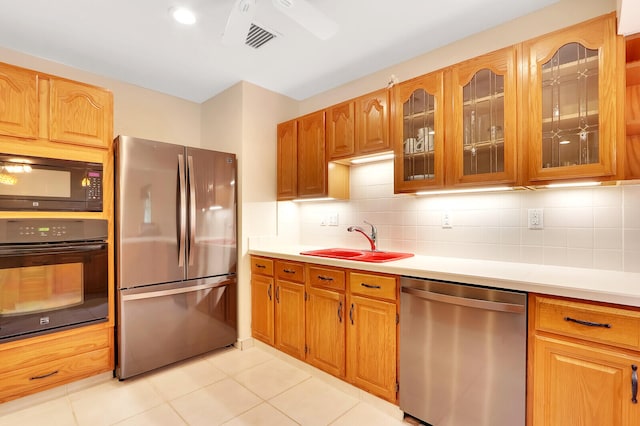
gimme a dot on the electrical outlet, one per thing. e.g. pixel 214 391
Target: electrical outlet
pixel 323 221
pixel 535 218
pixel 332 219
pixel 447 221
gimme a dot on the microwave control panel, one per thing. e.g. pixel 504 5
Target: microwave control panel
pixel 93 182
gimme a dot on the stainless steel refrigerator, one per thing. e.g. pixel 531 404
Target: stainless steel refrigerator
pixel 176 254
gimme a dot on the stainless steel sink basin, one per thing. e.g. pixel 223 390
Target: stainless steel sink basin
pixel 359 255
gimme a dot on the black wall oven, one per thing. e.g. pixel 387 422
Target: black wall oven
pixel 53 275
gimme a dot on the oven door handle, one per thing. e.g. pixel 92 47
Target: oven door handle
pixel 49 249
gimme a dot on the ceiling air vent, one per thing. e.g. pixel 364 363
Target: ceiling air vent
pixel 258 36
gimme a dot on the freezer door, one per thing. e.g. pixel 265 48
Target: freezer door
pixel 166 323
pixel 212 213
pixel 150 200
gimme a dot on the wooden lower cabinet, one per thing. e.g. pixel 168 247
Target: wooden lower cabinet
pixel 26 368
pixel 262 309
pixel 583 361
pixel 326 317
pixel 575 384
pixel 289 318
pixel 371 346
pixel 346 330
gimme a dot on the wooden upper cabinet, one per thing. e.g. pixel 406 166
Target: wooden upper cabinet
pixel 340 131
pixel 372 122
pixel 80 114
pixel 574 103
pixel 482 120
pixel 287 160
pixel 417 130
pixel 19 105
pixel 312 164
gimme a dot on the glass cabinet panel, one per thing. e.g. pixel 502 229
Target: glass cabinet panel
pixel 418 133
pixel 483 123
pixel 570 107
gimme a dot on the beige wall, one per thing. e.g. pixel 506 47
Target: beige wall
pixel 242 120
pixel 559 15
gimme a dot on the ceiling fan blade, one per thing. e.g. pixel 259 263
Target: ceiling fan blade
pixel 239 22
pixel 309 17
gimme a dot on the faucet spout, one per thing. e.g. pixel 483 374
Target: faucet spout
pixel 371 238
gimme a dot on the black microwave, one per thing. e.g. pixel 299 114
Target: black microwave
pixel 49 184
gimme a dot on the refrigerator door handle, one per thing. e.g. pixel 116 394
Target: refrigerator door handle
pixel 183 210
pixel 192 209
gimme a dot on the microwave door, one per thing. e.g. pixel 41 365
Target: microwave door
pixel 150 197
pixel 212 213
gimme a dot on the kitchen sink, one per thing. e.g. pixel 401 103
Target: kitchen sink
pixel 359 255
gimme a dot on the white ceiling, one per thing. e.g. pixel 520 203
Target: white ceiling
pixel 137 41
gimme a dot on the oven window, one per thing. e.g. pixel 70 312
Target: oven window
pixel 40 288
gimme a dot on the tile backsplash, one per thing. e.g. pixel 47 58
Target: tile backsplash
pixel 596 227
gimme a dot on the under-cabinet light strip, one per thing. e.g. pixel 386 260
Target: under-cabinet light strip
pixel 572 184
pixel 466 191
pixel 302 200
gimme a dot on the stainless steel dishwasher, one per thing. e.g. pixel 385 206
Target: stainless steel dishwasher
pixel 463 354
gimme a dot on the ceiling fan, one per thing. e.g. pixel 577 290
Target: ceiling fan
pixel 301 11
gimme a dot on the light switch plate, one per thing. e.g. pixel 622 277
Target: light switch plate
pixel 332 219
pixel 447 221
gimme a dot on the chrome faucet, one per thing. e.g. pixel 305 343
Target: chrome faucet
pixel 371 238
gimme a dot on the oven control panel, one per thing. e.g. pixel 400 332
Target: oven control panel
pixel 51 230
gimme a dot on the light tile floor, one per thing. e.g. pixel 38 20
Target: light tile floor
pixel 255 386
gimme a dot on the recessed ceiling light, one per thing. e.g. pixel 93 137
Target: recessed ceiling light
pixel 182 15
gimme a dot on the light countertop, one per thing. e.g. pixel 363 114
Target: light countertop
pixel 590 284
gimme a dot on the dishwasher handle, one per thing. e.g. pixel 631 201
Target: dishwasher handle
pixel 463 301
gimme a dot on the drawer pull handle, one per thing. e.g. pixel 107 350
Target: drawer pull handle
pixel 369 285
pixel 259 266
pixel 325 278
pixel 340 312
pixel 44 376
pixel 634 384
pixel 587 323
pixel 288 271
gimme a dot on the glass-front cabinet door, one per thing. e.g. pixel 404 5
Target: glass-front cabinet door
pixel 484 133
pixel 418 133
pixel 573 112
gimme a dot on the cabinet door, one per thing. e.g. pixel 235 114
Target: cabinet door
pixel 289 317
pixel 326 317
pixel 340 131
pixel 80 114
pixel 287 160
pixel 418 133
pixel 574 103
pixel 372 122
pixel 312 164
pixel 19 106
pixel 371 346
pixel 577 385
pixel 483 122
pixel 262 294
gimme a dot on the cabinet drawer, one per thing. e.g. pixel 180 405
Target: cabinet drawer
pixel 596 323
pixel 46 350
pixel 27 380
pixel 380 286
pixel 328 278
pixel 261 265
pixel 290 271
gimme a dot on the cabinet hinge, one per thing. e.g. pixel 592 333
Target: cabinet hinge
pixel 306 349
pixel 306 296
pixel 397 387
pixel 397 318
